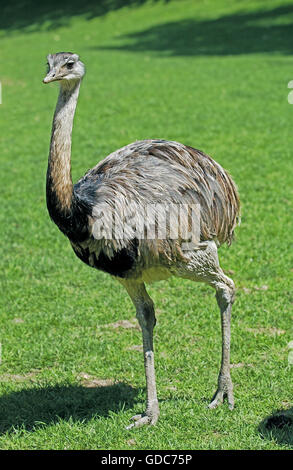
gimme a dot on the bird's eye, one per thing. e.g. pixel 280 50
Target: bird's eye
pixel 70 64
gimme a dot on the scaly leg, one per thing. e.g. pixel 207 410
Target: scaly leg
pixel 204 265
pixel 146 318
pixel 225 297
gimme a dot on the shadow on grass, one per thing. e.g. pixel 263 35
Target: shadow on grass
pixel 266 30
pixel 27 409
pixel 238 33
pixel 35 16
pixel 278 427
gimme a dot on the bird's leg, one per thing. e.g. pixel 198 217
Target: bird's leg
pixel 205 267
pixel 146 317
pixel 225 298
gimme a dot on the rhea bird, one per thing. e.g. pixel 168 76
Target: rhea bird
pixel 142 175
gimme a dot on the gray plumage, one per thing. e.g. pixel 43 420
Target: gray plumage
pixel 149 177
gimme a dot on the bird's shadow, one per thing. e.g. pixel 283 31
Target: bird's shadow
pixel 33 407
pixel 278 427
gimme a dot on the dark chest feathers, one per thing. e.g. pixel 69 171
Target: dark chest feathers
pixel 123 260
pixel 119 265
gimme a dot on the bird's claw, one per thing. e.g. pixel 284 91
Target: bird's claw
pixel 225 390
pixel 139 420
pixel 142 419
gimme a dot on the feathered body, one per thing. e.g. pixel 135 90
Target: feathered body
pixel 140 174
pixel 109 214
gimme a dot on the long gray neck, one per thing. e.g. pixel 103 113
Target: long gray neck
pixel 59 181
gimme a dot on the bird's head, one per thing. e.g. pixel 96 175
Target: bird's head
pixel 65 67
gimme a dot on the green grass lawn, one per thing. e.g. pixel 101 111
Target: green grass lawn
pixel 212 74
